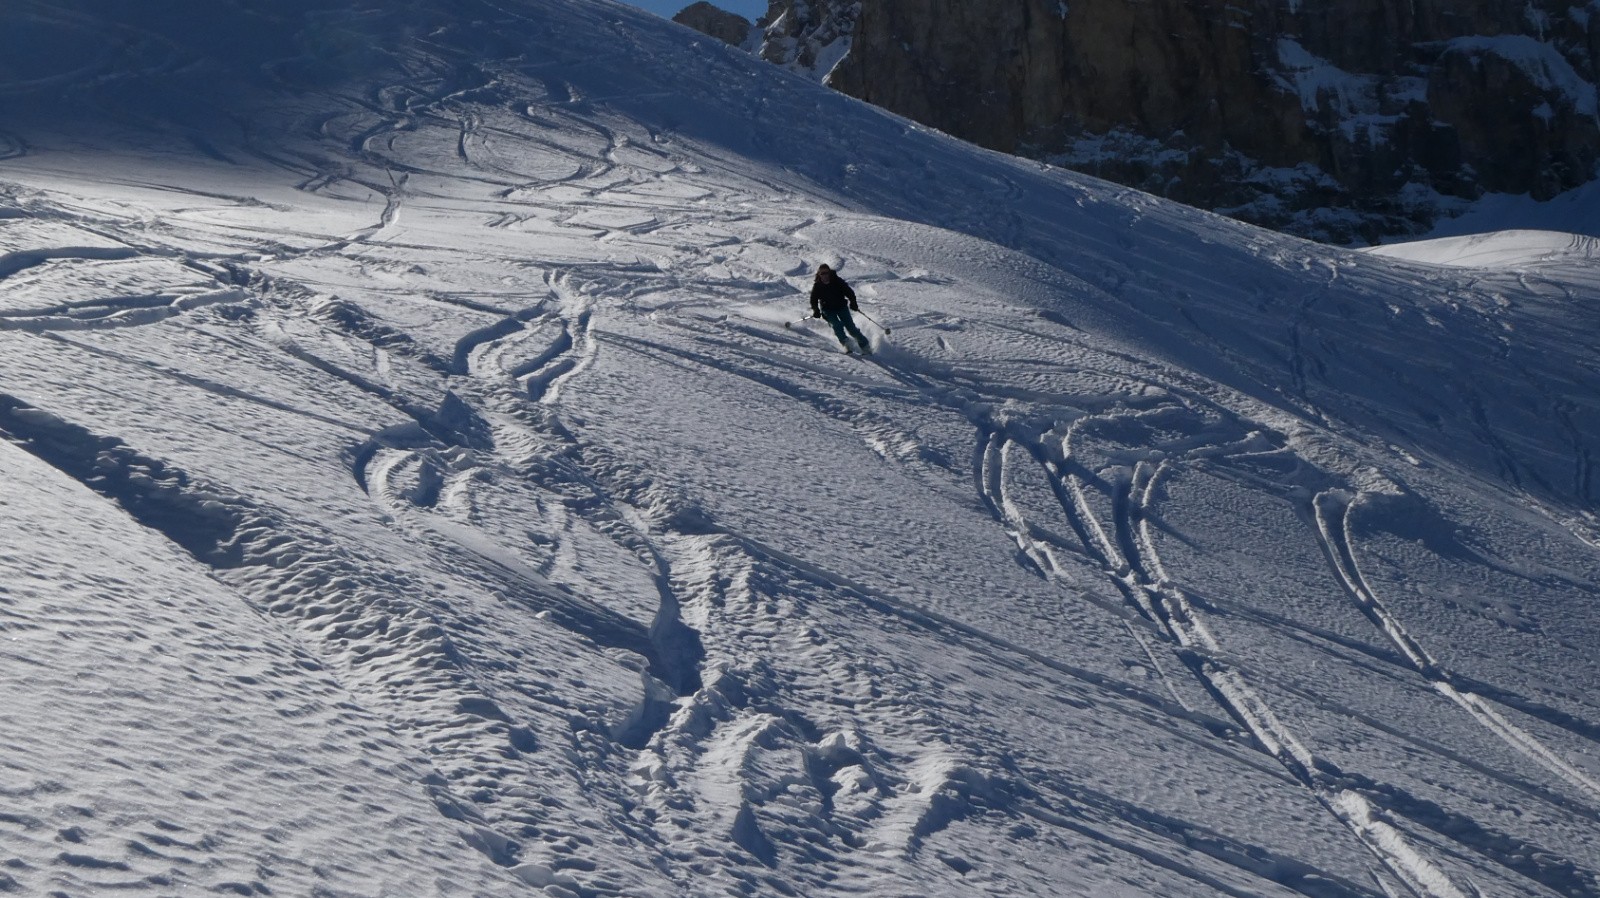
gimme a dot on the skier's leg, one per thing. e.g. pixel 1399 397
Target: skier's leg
pixel 838 319
pixel 850 325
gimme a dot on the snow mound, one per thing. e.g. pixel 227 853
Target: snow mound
pixel 1501 249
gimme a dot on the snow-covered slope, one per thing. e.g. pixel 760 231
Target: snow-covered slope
pixel 1572 253
pixel 411 488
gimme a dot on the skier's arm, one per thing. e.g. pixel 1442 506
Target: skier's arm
pixel 851 294
pixel 815 289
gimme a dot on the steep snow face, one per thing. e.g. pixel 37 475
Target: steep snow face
pixel 420 478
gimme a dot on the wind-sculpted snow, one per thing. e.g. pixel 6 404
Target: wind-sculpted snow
pixel 422 478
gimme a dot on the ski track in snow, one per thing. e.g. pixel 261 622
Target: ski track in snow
pixel 1127 555
pixel 1331 511
pixel 481 396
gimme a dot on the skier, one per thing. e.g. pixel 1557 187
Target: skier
pixel 832 300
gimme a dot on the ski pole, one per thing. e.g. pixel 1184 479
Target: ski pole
pixel 874 321
pixel 796 321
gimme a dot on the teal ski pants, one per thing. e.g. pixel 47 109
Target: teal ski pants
pixel 841 321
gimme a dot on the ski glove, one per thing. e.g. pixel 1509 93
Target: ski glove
pixel 854 307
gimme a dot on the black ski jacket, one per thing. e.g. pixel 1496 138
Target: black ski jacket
pixel 832 295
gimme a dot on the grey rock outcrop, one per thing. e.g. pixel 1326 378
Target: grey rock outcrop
pixel 1342 120
pixel 716 22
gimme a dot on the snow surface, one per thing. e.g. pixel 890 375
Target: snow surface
pixel 1501 250
pixel 412 487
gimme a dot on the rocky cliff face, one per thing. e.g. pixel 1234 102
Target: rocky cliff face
pixel 1337 119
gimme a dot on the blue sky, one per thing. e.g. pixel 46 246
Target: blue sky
pixel 750 9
